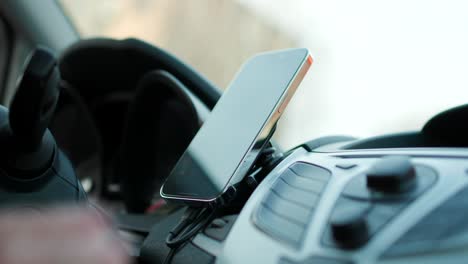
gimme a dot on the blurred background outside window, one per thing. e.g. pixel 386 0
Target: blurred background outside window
pixel 380 66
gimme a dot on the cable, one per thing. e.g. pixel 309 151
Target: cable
pixel 191 223
pixel 193 220
pixel 170 256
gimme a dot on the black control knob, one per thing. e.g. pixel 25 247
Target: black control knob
pixel 349 227
pixel 392 174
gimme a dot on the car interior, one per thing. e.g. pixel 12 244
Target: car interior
pixel 103 122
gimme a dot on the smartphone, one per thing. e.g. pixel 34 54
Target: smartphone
pixel 242 122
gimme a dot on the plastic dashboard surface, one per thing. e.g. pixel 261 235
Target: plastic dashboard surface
pixel 296 213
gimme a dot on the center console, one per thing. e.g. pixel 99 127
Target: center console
pixel 354 206
pixel 337 205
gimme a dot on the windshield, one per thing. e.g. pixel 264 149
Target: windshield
pixel 380 66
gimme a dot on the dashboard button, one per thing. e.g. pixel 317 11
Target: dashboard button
pixel 392 174
pixel 218 223
pixel 349 226
pixel 220 227
pixel 357 188
pixel 345 166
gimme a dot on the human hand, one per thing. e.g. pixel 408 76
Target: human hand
pixel 66 235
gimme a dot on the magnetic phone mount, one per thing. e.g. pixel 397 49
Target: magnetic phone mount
pixel 30 161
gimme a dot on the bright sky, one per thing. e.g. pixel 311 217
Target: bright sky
pixel 380 66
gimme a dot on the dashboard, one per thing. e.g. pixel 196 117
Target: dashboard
pixel 353 206
pixel 391 199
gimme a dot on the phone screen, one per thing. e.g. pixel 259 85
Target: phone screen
pixel 218 154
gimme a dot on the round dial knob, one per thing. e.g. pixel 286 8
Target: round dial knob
pixel 349 227
pixel 392 174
